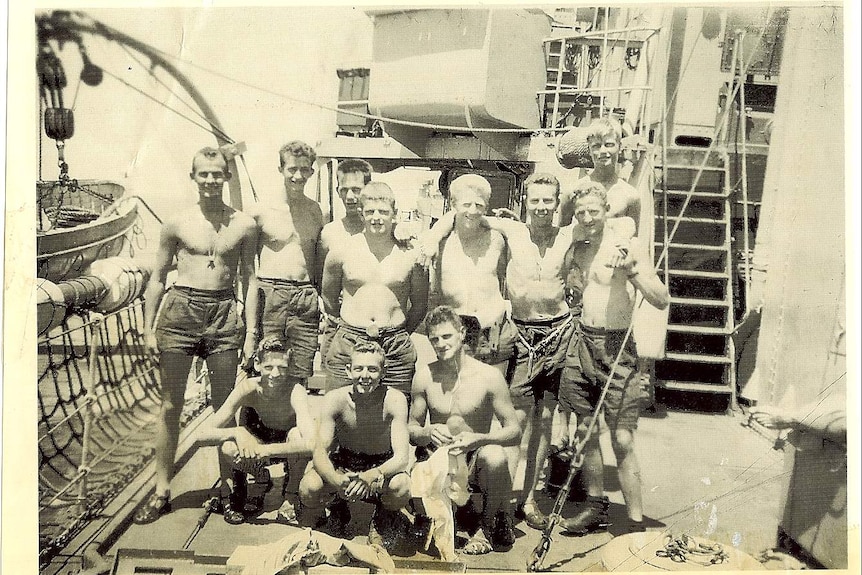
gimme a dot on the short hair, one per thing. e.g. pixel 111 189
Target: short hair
pixel 271 344
pixel 297 149
pixel 355 166
pixel 443 314
pixel 473 182
pixel 604 126
pixel 589 188
pixel 209 153
pixel 376 191
pixel 368 347
pixel 545 179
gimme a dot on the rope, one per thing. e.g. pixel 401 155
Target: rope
pixel 207 128
pixel 174 94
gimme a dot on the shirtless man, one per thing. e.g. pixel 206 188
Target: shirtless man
pixel 462 396
pixel 352 175
pixel 361 451
pixel 470 267
pixel 604 141
pixel 287 240
pixel 211 242
pixel 275 424
pixel 608 305
pixel 383 291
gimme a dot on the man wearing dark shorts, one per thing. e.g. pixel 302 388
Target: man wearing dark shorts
pixel 288 228
pixel 378 292
pixel 212 242
pixel 275 425
pixel 361 451
pixel 610 267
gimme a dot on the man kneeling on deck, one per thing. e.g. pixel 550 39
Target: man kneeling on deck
pixel 361 451
pixel 463 395
pixel 275 424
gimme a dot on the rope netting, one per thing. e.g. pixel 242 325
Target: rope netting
pixel 98 396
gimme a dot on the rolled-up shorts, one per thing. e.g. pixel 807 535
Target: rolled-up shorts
pixel 199 322
pixel 397 348
pixel 540 357
pixel 493 344
pixel 591 353
pixel 290 312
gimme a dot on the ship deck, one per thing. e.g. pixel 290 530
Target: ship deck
pixel 706 475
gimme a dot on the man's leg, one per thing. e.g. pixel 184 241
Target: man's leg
pixel 388 524
pixel 628 468
pixel 234 486
pixel 174 368
pixel 593 514
pixel 535 456
pixel 314 494
pixel 222 368
pixel 495 483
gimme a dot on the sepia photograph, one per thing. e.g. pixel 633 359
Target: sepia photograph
pixel 406 289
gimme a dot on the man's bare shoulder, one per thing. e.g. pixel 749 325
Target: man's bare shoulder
pixel 334 402
pixel 481 371
pixel 622 226
pixel 394 400
pixel 243 219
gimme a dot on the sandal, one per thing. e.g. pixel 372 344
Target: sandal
pixel 478 544
pixel 231 510
pixel 534 517
pixel 287 513
pixel 156 506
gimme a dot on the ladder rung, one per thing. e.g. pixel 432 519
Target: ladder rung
pixel 695 386
pixel 693 247
pixel 700 302
pixel 694 220
pixel 696 357
pixel 699 329
pixel 696 274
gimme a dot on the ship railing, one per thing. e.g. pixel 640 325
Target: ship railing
pixel 98 394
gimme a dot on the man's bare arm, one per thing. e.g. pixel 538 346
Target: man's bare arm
pixel 398 435
pixel 640 273
pixel 332 282
pixel 567 207
pixel 219 427
pixel 323 443
pixel 419 287
pixel 250 296
pixel 509 432
pixel 304 424
pixel 168 243
pixel 419 433
pixel 429 240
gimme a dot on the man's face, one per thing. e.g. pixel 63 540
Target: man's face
pixel 590 212
pixel 296 171
pixel 365 371
pixel 542 201
pixel 378 216
pixel 349 186
pixel 210 174
pixel 446 339
pixel 273 371
pixel 605 151
pixel 469 207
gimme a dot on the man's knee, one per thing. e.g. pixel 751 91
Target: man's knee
pixel 623 442
pixel 311 488
pixel 397 493
pixel 294 435
pixel 492 458
pixel 229 449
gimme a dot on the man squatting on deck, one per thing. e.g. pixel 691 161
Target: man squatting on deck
pixel 211 242
pixel 275 425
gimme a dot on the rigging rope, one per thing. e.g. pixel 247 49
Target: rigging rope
pixel 121 407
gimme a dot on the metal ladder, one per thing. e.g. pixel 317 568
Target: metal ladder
pixel 698 271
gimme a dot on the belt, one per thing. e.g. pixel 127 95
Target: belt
pixel 279 282
pixel 534 350
pixel 215 294
pixel 372 331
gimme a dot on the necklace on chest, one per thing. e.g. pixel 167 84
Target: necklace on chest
pixel 218 226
